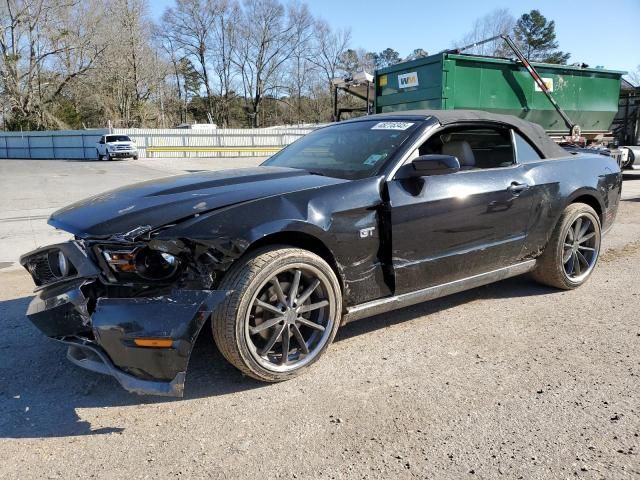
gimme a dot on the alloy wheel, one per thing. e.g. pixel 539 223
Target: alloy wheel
pixel 290 318
pixel 581 248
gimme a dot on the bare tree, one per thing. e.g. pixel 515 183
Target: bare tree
pixel 498 22
pixel 131 72
pixel 300 70
pixel 225 33
pixel 328 51
pixel 190 26
pixel 45 45
pixel 167 45
pixel 269 36
pixel 78 63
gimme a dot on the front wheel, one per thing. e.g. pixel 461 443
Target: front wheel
pixel 283 311
pixel 572 252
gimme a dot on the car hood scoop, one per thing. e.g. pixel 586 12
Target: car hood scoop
pixel 166 200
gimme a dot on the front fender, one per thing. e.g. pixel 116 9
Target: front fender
pixel 335 215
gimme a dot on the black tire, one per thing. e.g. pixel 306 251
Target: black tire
pixel 254 276
pixel 107 157
pixel 135 157
pixel 552 269
pixel 630 160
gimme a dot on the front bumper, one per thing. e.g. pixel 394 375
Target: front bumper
pixel 104 341
pixel 123 153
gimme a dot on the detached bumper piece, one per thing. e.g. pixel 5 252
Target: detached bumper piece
pixel 145 343
pixel 95 359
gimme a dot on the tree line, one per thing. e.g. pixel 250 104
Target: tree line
pixel 83 63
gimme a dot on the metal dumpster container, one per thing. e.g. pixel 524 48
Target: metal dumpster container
pixel 450 81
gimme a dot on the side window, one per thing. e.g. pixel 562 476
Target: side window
pixel 475 147
pixel 525 153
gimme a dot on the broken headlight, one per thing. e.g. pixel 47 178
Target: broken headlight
pixel 146 262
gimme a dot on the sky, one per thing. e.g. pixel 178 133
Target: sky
pixel 596 32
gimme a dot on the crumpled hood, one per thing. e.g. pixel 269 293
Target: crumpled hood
pixel 167 200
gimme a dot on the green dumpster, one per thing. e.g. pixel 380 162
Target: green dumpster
pixel 448 81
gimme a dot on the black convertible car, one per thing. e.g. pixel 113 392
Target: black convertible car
pixel 354 219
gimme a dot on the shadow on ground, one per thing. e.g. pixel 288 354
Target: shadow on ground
pixel 40 390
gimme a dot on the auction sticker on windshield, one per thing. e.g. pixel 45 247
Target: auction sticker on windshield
pixel 391 126
pixel 375 158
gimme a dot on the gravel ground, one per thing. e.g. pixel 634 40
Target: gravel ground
pixel 512 380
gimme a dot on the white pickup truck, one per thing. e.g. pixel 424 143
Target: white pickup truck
pixel 116 146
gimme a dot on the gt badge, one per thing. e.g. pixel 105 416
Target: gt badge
pixel 367 232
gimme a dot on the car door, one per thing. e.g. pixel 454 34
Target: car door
pixel 453 226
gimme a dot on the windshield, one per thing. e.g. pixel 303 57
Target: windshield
pixel 347 150
pixel 118 138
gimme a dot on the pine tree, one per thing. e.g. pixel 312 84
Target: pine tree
pixel 388 57
pixel 536 36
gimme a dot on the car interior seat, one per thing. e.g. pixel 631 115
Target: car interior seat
pixel 462 150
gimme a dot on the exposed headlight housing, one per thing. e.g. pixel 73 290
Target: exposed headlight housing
pixel 121 260
pixel 63 264
pixel 155 265
pixel 59 264
pixel 147 263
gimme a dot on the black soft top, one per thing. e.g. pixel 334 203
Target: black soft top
pixel 532 131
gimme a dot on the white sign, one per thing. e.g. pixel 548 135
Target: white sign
pixel 548 82
pixel 391 125
pixel 407 80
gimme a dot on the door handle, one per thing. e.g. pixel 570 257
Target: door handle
pixel 517 188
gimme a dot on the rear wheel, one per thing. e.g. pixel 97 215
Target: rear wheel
pixel 573 249
pixel 283 312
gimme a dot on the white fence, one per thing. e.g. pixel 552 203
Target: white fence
pixel 81 144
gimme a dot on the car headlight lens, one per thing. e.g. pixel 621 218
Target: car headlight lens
pixel 145 262
pixel 155 265
pixel 63 264
pixel 59 264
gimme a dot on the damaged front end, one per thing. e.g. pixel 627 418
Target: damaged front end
pixel 128 306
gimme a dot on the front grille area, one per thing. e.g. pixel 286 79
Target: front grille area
pixel 119 148
pixel 40 270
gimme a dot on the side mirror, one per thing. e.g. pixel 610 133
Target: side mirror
pixel 427 165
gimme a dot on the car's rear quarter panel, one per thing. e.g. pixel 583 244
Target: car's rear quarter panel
pixel 594 179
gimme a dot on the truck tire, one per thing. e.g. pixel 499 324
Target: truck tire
pixel 283 311
pixel 573 249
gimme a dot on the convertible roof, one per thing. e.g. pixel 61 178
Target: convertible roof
pixel 532 131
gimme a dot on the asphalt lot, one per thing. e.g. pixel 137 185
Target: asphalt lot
pixel 512 380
